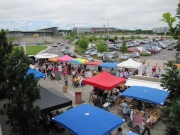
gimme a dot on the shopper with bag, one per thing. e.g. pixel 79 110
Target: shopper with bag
pixel 147 126
pixel 130 124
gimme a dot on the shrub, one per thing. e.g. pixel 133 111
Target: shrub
pixel 90 40
pixel 145 54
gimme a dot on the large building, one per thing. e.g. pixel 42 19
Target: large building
pixel 161 30
pixel 79 30
pixel 52 31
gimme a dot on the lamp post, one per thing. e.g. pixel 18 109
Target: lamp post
pixel 104 29
pixel 108 33
pixel 74 34
pixel 146 31
pixel 135 31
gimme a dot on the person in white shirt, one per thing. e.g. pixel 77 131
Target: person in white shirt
pixel 121 75
pixel 80 78
pixel 131 114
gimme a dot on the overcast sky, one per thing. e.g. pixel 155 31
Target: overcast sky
pixel 123 14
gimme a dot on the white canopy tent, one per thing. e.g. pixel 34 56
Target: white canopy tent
pixel 130 63
pixel 45 56
pixel 137 82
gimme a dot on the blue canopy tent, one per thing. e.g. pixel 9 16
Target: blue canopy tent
pixel 88 120
pixel 37 74
pixel 151 95
pixel 108 65
pixel 131 133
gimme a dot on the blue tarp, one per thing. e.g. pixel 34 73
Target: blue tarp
pixel 108 65
pixel 88 120
pixel 37 74
pixel 131 133
pixel 151 95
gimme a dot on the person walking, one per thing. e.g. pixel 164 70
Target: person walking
pixel 147 126
pixel 119 131
pixel 48 122
pixel 130 124
pixel 124 108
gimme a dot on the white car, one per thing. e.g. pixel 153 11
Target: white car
pixel 54 45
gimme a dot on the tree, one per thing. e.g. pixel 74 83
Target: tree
pixel 83 44
pixel 5 49
pixel 90 39
pixel 170 79
pixel 115 37
pixel 101 47
pixel 122 37
pixel 123 48
pixel 22 93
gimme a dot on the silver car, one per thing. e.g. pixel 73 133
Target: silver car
pixel 135 55
pixel 94 52
pixel 125 56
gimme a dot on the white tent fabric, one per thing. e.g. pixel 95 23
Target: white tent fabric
pixel 130 63
pixel 45 55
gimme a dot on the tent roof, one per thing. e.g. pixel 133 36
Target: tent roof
pixel 65 58
pixel 75 61
pixel 130 63
pixel 88 120
pixel 45 56
pixel 104 81
pixel 37 74
pixel 146 94
pixel 52 99
pixel 131 133
pixel 93 63
pixel 108 65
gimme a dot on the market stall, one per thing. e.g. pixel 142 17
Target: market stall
pixel 37 74
pixel 107 66
pixel 92 65
pixel 86 119
pixel 51 99
pixel 130 63
pixel 64 58
pixel 45 56
pixel 76 62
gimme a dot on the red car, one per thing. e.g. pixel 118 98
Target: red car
pixel 133 50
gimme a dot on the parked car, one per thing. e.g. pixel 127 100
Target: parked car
pixel 113 55
pixel 88 52
pixel 61 43
pixel 146 51
pixel 99 54
pixel 72 54
pixel 15 44
pixel 170 48
pixel 88 57
pixel 133 50
pixel 135 54
pixel 54 45
pixel 108 59
pixel 93 52
pixel 125 56
pixel 63 49
pixel 66 51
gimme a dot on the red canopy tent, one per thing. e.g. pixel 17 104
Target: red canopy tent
pixel 104 81
pixel 93 63
pixel 64 58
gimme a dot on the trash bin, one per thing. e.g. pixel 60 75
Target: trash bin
pixel 65 89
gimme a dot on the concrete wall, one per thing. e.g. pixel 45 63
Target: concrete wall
pixel 35 40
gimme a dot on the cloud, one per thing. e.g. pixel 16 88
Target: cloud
pixel 125 14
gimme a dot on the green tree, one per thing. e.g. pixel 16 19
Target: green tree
pixel 115 37
pixel 90 39
pixel 22 93
pixel 122 37
pixel 170 79
pixel 82 43
pixel 101 46
pixel 5 49
pixel 123 48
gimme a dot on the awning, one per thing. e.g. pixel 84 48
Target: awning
pixel 131 133
pixel 45 56
pixel 37 74
pixel 86 119
pixel 78 61
pixel 130 63
pixel 151 95
pixel 93 63
pixel 108 65
pixel 53 59
pixel 51 99
pixel 104 80
pixel 82 60
pixel 64 58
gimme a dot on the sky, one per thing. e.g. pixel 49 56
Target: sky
pixel 66 14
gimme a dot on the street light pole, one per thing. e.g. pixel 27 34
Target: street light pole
pixel 146 31
pixel 104 29
pixel 135 31
pixel 108 34
pixel 74 34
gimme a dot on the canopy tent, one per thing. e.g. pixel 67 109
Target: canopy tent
pixel 138 82
pixel 82 60
pixel 53 59
pixel 93 63
pixel 51 99
pixel 146 94
pixel 88 120
pixel 104 81
pixel 130 63
pixel 75 61
pixel 64 58
pixel 45 56
pixel 37 74
pixel 108 65
pixel 131 133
